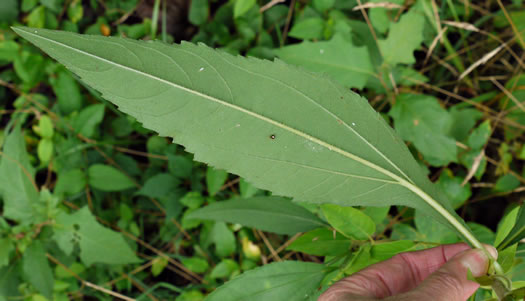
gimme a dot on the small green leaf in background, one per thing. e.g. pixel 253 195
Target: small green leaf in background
pixel 246 189
pixel 192 295
pixel 360 260
pixel 382 18
pixel 272 214
pixel 199 11
pixel 506 224
pixel 468 159
pixel 215 178
pixel 323 5
pixel 30 68
pixel 453 188
pixel 434 231
pixel 70 182
pixel 464 121
pixel 180 166
pixel 223 239
pixel 37 270
pixel 288 280
pixel 321 242
pixel 8 10
pixel 349 221
pixel 225 269
pixel 480 135
pixel 339 58
pixel 518 231
pixel 195 264
pixel 404 37
pixel 484 234
pixel 45 127
pixel 506 183
pixel 377 214
pixel 97 244
pixel 242 6
pixel 75 11
pixel 45 150
pixel 158 265
pixel 6 246
pixel 67 92
pixel 54 5
pixel 506 257
pixel 16 175
pixel 503 166
pixel 87 121
pixel 421 120
pixel 37 17
pixel 107 178
pixel 192 200
pixel 8 51
pixel 159 186
pixel 28 5
pixel 385 250
pixel 308 29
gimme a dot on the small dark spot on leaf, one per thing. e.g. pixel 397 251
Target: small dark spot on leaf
pixel 339 121
pixel 341 97
pixel 272 136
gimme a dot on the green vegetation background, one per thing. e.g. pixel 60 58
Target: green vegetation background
pixel 105 212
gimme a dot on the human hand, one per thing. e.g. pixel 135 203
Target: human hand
pixel 437 274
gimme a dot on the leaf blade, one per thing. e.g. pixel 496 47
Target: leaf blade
pixel 288 280
pixel 247 125
pixel 272 214
pixel 518 231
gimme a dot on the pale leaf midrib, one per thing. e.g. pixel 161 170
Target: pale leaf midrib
pixel 232 106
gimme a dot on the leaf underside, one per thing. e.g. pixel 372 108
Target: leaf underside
pixel 287 280
pixel 272 214
pixel 295 133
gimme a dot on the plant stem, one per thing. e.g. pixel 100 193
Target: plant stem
pixel 453 220
pixel 498 286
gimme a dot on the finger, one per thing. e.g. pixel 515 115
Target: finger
pixel 450 283
pixel 399 274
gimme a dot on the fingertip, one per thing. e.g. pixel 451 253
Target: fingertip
pixel 492 250
pixel 476 261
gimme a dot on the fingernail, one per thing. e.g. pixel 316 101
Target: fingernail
pixel 476 261
pixel 492 251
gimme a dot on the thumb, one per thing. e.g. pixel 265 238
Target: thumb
pixel 450 283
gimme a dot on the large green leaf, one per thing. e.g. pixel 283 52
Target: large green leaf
pixel 272 214
pixel 288 280
pixel 16 179
pixel 256 119
pixel 518 231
